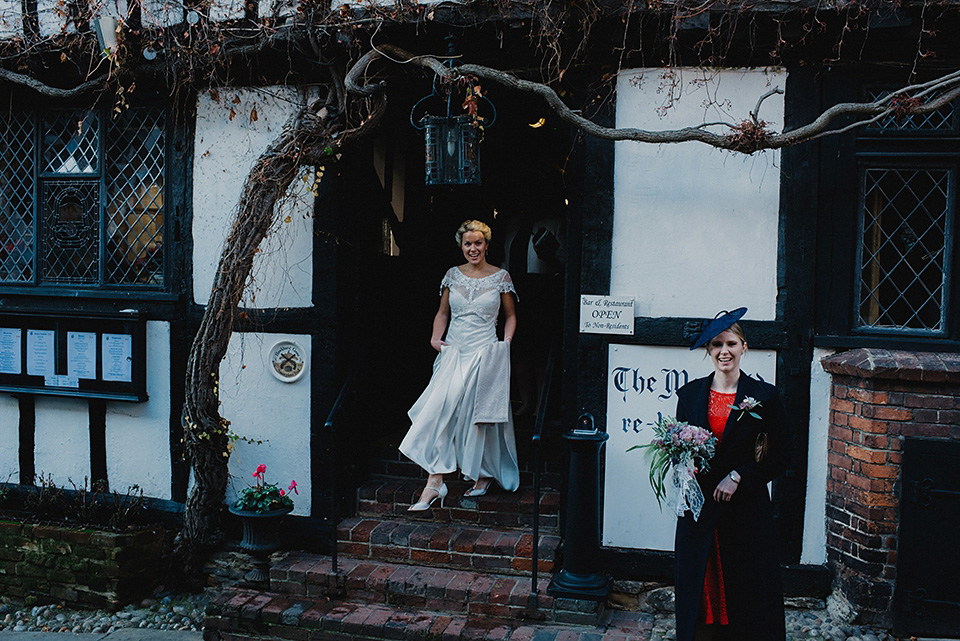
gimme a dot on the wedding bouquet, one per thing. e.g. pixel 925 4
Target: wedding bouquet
pixel 680 450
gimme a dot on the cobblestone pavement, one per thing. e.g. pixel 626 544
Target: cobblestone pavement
pixel 179 617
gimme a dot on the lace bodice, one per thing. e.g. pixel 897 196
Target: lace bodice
pixel 470 288
pixel 474 307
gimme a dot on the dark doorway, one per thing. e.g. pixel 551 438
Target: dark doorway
pixel 524 200
pixel 927 594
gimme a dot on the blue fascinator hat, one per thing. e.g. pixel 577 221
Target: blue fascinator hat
pixel 720 323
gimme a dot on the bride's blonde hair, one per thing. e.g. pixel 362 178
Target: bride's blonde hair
pixel 473 225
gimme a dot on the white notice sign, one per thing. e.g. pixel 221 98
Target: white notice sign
pixel 40 346
pixel 10 350
pixel 642 384
pixel 82 354
pixel 117 353
pixel 606 314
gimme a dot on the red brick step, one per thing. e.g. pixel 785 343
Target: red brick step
pixel 245 615
pixel 440 589
pixel 445 544
pixel 391 498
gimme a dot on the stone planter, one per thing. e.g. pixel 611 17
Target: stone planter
pixel 81 567
pixel 261 537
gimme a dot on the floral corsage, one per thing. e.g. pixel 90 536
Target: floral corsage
pixel 746 406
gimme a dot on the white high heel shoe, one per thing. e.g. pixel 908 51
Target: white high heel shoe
pixel 423 506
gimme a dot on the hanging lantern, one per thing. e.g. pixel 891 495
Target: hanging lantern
pixel 453 141
pixel 452 150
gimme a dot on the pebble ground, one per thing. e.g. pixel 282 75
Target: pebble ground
pixel 182 612
pixel 185 612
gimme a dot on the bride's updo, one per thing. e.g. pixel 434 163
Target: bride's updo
pixel 473 225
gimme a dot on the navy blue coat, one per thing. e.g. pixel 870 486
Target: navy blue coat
pixel 749 553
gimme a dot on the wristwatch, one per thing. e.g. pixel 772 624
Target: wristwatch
pixel 734 476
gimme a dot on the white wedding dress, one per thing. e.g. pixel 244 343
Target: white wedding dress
pixel 443 436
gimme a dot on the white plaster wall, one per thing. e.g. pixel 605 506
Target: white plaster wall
pixel 260 407
pixel 695 228
pixel 161 13
pixel 63 440
pixel 138 434
pixel 9 439
pixel 226 10
pixel 50 17
pixel 233 128
pixel 118 9
pixel 815 511
pixel 11 14
pixel 277 8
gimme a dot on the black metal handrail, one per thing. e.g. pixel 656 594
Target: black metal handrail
pixel 330 427
pixel 537 430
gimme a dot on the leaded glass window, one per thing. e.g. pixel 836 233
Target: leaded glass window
pixel 942 119
pixel 906 231
pixel 17 185
pixel 82 198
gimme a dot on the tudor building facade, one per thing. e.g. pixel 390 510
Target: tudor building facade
pixel 112 224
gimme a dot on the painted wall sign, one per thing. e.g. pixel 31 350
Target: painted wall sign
pixel 642 383
pixel 606 314
pixel 287 361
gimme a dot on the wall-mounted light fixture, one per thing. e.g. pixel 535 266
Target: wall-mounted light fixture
pixel 452 142
pixel 106 30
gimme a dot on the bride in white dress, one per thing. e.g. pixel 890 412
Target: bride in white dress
pixel 462 420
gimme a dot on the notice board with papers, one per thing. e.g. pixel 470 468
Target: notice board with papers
pixel 86 356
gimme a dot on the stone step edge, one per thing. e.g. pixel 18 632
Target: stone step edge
pixel 256 612
pixel 390 499
pixel 443 589
pixel 461 515
pixel 448 545
pixel 406 491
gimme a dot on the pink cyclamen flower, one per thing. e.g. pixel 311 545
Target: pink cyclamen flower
pixel 261 470
pixel 293 487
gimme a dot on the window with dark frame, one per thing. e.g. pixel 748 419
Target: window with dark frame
pixel 82 198
pixel 906 236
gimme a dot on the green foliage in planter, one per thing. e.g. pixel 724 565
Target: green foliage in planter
pixel 264 497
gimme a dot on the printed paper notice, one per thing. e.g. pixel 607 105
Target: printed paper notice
pixel 82 354
pixel 10 350
pixel 117 353
pixel 606 314
pixel 40 346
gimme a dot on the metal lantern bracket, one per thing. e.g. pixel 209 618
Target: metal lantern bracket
pixel 418 124
pixel 451 142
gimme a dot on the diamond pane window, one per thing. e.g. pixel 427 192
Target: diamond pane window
pixel 71 231
pixel 17 185
pixel 943 118
pixel 135 211
pixel 906 223
pixel 82 198
pixel 70 142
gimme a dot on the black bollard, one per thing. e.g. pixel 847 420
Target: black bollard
pixel 579 578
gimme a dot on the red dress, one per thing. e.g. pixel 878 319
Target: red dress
pixel 714 606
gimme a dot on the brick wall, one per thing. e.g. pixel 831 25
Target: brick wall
pixel 879 398
pixel 79 567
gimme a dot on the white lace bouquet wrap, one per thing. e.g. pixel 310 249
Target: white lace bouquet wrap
pixel 679 450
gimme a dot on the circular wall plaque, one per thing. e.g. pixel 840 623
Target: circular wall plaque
pixel 288 361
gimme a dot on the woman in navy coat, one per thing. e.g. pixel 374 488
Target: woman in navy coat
pixel 727 568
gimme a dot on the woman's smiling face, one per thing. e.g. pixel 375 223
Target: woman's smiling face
pixel 725 351
pixel 474 247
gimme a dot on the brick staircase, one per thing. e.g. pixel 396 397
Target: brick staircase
pixel 461 571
